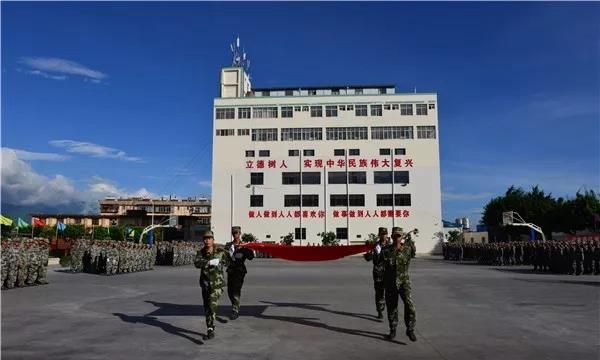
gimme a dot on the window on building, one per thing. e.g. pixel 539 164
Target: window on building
pixel 358 91
pixel 264 112
pixel 225 113
pixel 297 108
pixel 290 178
pixel 341 233
pixel 421 109
pixel 350 107
pixel 385 152
pixel 95 221
pixel 287 111
pixel 336 177
pixel 339 152
pixel 331 111
pixel 301 134
pixel 311 178
pixel 391 132
pixel 361 110
pixel 406 109
pixel 400 151
pixel 387 107
pixel 338 200
pixel 225 132
pixel 300 233
pixel 385 177
pixel 426 132
pixel 163 209
pixel 264 153
pixel 342 107
pixel 249 153
pixel 243 132
pixel 257 178
pixel 356 199
pixel 244 113
pixel 384 199
pixel 335 91
pixel 291 200
pixel 316 111
pixel 395 106
pixel 357 177
pixel 264 134
pixel 289 92
pixel 312 92
pixel 256 200
pixel 354 152
pixel 346 133
pixel 376 110
pixel 309 152
pixel 431 107
pixel 402 199
pixel 293 152
pixel 310 200
pixel 305 108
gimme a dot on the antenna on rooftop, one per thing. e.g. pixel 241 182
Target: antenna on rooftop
pixel 239 55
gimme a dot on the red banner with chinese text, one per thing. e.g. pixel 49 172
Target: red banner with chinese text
pixel 308 253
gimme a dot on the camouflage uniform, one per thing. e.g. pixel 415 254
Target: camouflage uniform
pixel 22 264
pixel 42 270
pixel 33 262
pixel 211 280
pixel 378 270
pixel 397 283
pixel 236 271
pixel 5 258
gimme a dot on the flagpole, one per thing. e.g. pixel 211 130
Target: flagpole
pixel 32 228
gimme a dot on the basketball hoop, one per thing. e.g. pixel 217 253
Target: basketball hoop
pixel 512 218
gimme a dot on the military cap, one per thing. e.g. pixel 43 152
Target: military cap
pixel 396 232
pixel 235 229
pixel 396 228
pixel 383 231
pixel 208 234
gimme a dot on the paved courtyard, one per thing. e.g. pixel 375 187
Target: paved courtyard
pixel 305 311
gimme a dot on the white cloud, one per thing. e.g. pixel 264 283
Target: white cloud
pixel 23 186
pixel 32 156
pixel 205 183
pixel 450 196
pixel 55 68
pixel 94 150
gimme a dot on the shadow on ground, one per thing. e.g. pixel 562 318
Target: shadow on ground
pixel 257 311
pixel 559 281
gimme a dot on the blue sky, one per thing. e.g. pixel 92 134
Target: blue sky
pixel 116 98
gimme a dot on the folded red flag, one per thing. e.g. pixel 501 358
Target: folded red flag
pixel 38 222
pixel 308 253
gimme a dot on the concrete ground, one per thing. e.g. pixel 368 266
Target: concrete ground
pixel 305 311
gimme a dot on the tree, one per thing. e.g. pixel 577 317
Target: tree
pixel 328 238
pixel 288 239
pixel 248 238
pixel 454 236
pixel 74 231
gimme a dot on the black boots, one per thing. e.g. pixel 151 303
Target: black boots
pixel 411 335
pixel 379 315
pixel 391 335
pixel 210 334
pixel 234 315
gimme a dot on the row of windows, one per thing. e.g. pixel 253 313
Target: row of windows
pixel 340 233
pixel 335 133
pixel 336 152
pixel 335 177
pixel 272 112
pixel 335 200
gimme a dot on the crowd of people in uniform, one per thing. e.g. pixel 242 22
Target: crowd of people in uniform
pixel 24 262
pixel 110 257
pixel 176 253
pixel 560 257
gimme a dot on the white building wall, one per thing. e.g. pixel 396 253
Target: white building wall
pixel 231 195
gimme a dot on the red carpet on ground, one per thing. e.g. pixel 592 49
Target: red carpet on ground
pixel 308 253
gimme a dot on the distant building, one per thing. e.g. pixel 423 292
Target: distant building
pixel 191 215
pixel 476 237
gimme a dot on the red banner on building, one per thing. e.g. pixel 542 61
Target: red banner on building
pixel 308 253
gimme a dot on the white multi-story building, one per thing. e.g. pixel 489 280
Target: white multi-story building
pixel 345 159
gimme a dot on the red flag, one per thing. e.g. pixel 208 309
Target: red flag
pixel 38 222
pixel 305 253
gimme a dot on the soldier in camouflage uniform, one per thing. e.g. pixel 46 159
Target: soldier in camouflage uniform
pixel 32 256
pixel 210 260
pixel 42 270
pixel 376 257
pixel 5 258
pixel 396 258
pixel 236 269
pixel 22 263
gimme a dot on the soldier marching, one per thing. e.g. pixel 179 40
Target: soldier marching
pixel 236 269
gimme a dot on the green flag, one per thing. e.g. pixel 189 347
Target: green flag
pixel 22 223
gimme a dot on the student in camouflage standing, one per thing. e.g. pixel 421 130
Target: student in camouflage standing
pixel 33 262
pixel 396 258
pixel 210 260
pixel 236 270
pixel 376 257
pixel 42 270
